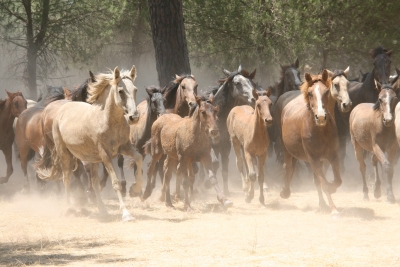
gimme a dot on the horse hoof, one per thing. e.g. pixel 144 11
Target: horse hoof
pixel 391 200
pixel 126 216
pixel 25 190
pixel 377 193
pixel 208 184
pixel 366 198
pixel 3 180
pixel 146 194
pixel 253 177
pixel 323 207
pixel 228 203
pixel 132 193
pixel 335 214
pixel 285 193
pixel 169 205
pixel 247 199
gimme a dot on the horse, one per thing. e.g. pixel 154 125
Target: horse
pixel 372 129
pixel 309 133
pixel 234 90
pixel 96 132
pixel 10 109
pixel 289 81
pixel 28 130
pixel 248 133
pixel 364 92
pixel 149 110
pixel 185 141
pixel 180 95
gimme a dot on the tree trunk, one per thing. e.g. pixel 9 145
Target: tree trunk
pixel 31 73
pixel 169 39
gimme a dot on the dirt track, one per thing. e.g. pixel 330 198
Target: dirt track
pixel 35 230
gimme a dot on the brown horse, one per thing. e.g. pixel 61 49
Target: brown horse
pixel 185 141
pixel 10 109
pixel 309 133
pixel 372 129
pixel 28 131
pixel 180 95
pixel 248 132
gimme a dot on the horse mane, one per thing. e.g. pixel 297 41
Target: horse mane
pixel 54 93
pixel 171 89
pixel 95 89
pixel 306 85
pixel 278 87
pixel 377 51
pixel 2 103
pixel 337 73
pixel 80 90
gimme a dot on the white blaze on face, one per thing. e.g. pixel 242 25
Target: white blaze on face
pixel 320 109
pixel 246 86
pixel 296 78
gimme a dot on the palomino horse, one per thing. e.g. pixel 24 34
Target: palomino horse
pixel 96 133
pixel 372 129
pixel 184 141
pixel 248 132
pixel 234 90
pixel 28 131
pixel 309 133
pixel 10 109
pixel 149 110
pixel 363 93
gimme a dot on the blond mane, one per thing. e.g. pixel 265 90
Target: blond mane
pixel 306 85
pixel 97 88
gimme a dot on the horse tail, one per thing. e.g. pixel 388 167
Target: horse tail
pixel 54 171
pixel 44 162
pixel 30 156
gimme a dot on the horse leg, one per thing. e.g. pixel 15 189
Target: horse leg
pixel 23 152
pixel 215 161
pixel 7 151
pixel 136 187
pixel 321 201
pixel 104 179
pixel 116 184
pixel 150 174
pixel 169 166
pixel 191 176
pixel 377 185
pixel 183 168
pixel 391 158
pixel 121 169
pixel 178 183
pixel 290 165
pixel 225 150
pixel 252 175
pixel 359 153
pixel 387 169
pixel 342 151
pixel 206 161
pixel 237 148
pixel 94 170
pixel 261 162
pixel 90 190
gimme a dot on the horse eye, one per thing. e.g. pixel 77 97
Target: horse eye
pixel 380 100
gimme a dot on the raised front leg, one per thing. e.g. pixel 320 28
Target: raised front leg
pixel 239 163
pixel 252 176
pixel 7 151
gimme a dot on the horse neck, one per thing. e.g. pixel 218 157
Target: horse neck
pixel 181 106
pixel 6 116
pixel 113 113
pixel 197 127
pixel 331 105
pixel 257 125
pixel 368 92
pixel 151 117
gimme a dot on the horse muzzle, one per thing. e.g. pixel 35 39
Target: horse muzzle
pixel 388 121
pixel 268 121
pixel 345 107
pixel 214 134
pixel 133 118
pixel 320 120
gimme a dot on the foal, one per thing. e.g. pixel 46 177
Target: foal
pixel 248 132
pixel 372 129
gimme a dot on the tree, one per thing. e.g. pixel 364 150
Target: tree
pixel 50 31
pixel 169 39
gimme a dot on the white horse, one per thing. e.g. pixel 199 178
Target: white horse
pixel 96 133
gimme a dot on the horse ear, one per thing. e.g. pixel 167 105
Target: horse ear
pixel 255 95
pixel 308 77
pixel 198 100
pixel 253 74
pixel 330 73
pixel 177 76
pixel 346 71
pixel 9 94
pixel 325 75
pixel 269 91
pixel 389 53
pixel 211 98
pixel 116 73
pixel 66 92
pixel 216 108
pixel 227 72
pixel 378 85
pixel 240 68
pixel 149 91
pixel 92 78
pixel 297 63
pixel 133 73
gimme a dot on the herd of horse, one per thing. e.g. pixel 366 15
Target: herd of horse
pixel 72 131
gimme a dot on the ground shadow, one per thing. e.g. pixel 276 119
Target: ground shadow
pixel 362 213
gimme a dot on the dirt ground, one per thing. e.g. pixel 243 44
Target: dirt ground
pixel 35 230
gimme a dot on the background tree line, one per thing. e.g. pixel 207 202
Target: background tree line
pixel 51 37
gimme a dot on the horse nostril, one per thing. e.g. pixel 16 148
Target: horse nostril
pixel 344 105
pixel 214 132
pixel 316 117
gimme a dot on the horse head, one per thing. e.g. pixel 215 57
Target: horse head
pixel 208 116
pixel 387 102
pixel 129 93
pixel 339 88
pixel 187 89
pixel 382 62
pixel 18 103
pixel 156 100
pixel 291 77
pixel 263 106
pixel 316 92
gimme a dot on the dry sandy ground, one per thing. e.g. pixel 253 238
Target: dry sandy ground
pixel 35 230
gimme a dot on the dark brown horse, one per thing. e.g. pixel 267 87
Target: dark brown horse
pixel 10 109
pixel 365 92
pixel 28 131
pixel 309 133
pixel 372 129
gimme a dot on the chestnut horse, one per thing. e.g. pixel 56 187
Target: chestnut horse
pixel 372 129
pixel 28 131
pixel 248 132
pixel 185 141
pixel 10 108
pixel 309 133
